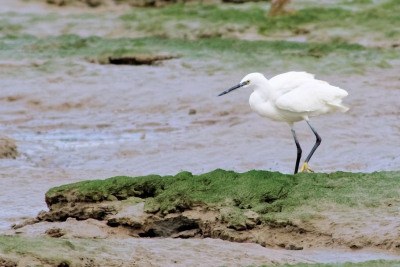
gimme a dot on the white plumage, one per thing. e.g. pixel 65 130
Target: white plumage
pixel 291 97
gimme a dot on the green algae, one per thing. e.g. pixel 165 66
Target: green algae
pixel 73 45
pixel 39 247
pixel 178 192
pixel 280 55
pixel 247 199
pixel 371 19
pixel 261 191
pixel 70 252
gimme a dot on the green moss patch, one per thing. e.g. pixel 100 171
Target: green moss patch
pixel 367 18
pixel 279 55
pixel 74 45
pixel 170 193
pixel 263 192
pixel 89 252
pixel 37 249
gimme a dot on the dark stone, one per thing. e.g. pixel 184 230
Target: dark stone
pixel 138 60
pixel 7 262
pixel 26 222
pixel 55 232
pixel 170 226
pixel 293 247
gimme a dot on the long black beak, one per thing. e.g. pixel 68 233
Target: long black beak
pixel 232 88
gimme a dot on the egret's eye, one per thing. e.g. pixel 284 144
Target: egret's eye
pixel 248 81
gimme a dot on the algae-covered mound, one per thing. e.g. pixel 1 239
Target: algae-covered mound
pixel 268 208
pixel 253 189
pixel 260 191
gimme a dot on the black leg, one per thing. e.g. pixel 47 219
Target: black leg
pixel 298 151
pixel 317 143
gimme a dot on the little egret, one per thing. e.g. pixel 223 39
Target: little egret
pixel 291 97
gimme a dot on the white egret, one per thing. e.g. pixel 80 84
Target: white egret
pixel 292 97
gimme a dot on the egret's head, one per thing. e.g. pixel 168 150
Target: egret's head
pixel 248 81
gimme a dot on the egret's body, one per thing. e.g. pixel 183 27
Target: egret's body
pixel 291 97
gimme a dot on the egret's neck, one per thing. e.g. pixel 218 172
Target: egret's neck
pixel 263 88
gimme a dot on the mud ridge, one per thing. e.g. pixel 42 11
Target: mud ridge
pixel 196 221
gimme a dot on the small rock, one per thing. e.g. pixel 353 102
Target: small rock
pixel 140 59
pixel 170 226
pixel 26 222
pixel 151 205
pixel 112 198
pixel 7 262
pixel 355 246
pixel 94 3
pixel 8 148
pixel 57 2
pixel 142 3
pixel 55 232
pixel 192 111
pixel 252 219
pixel 126 221
pixel 300 31
pixel 293 247
pixel 238 226
pixel 63 264
pixel 187 233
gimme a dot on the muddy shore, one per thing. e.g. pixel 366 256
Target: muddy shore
pixel 69 119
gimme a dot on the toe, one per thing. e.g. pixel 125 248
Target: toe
pixel 305 168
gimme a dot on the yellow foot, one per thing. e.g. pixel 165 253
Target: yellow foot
pixel 305 168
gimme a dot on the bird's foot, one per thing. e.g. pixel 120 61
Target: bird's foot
pixel 305 168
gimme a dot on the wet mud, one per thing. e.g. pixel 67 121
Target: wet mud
pixel 83 121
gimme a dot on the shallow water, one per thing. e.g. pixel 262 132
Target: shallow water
pixel 76 138
pixel 215 252
pixel 335 256
pixel 135 121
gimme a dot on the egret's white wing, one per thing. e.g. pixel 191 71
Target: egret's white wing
pixel 312 96
pixel 290 80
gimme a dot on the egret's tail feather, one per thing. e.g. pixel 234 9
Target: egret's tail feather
pixel 339 106
pixel 343 108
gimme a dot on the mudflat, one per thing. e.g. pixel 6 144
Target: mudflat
pixel 69 113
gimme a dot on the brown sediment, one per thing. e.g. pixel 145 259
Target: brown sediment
pixel 129 218
pixel 8 148
pixel 139 60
